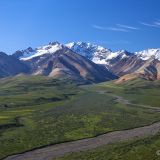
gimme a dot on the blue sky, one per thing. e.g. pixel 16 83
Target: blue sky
pixel 116 24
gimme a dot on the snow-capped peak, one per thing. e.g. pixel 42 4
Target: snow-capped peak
pixel 96 53
pixel 84 46
pixel 149 54
pixel 51 48
pixel 88 50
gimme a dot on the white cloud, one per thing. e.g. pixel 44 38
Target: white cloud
pixel 153 24
pixel 99 27
pixel 127 27
pixel 157 23
pixel 110 28
pixel 117 29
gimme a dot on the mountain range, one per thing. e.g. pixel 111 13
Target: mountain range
pixel 82 61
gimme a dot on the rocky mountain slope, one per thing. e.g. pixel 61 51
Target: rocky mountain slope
pixel 83 61
pixel 96 53
pixel 138 65
pixel 10 66
pixel 144 64
pixel 57 60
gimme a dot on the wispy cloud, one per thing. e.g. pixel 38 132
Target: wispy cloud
pixel 99 27
pixel 117 29
pixel 127 27
pixel 157 23
pixel 148 24
pixel 153 24
pixel 110 28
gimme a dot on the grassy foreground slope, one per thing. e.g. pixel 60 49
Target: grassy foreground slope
pixel 142 149
pixel 38 111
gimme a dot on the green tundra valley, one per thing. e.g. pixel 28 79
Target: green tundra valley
pixel 39 111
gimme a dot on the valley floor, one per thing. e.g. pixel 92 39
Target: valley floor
pixel 51 152
pixel 40 111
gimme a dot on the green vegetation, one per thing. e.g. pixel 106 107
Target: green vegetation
pixel 144 149
pixel 38 111
pixel 137 91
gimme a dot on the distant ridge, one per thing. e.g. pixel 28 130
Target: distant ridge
pixel 80 60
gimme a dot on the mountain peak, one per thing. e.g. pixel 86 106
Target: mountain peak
pixel 153 53
pixel 30 53
pixel 88 50
pixel 85 45
pixel 54 43
pixel 96 53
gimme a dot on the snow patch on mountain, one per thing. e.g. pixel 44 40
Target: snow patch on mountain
pixel 149 54
pixel 96 53
pixel 88 50
pixel 48 49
